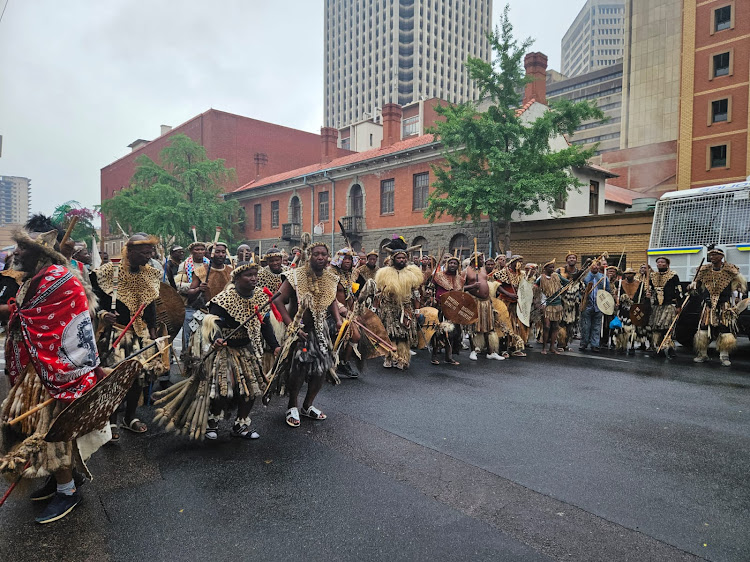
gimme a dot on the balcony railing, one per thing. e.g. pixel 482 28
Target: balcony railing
pixel 354 224
pixel 291 231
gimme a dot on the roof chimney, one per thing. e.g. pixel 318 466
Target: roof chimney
pixel 165 129
pixel 329 144
pixel 536 69
pixel 391 124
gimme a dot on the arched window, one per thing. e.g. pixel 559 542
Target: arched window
pixel 383 254
pixel 295 214
pixel 356 201
pixel 420 241
pixel 460 245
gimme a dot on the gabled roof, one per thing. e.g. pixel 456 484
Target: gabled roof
pixel 341 162
pixel 521 110
pixel 620 195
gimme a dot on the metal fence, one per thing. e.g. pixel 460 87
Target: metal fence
pixel 716 218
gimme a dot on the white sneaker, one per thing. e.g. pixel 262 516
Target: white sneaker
pixel 473 355
pixel 496 357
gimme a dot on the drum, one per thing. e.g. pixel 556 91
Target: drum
pixel 606 302
pixel 459 307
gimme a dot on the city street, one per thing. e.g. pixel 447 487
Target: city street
pixel 580 457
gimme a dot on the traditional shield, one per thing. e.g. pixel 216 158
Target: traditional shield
pixel 459 307
pixel 525 298
pixel 369 345
pixel 606 302
pixel 429 327
pixel 639 314
pixel 741 306
pixel 92 410
pixel 170 309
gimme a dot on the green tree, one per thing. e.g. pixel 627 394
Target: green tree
pixel 495 163
pixel 182 191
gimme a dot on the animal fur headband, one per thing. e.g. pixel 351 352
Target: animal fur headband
pixel 44 242
pixel 244 266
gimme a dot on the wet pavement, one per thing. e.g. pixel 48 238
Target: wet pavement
pixel 581 457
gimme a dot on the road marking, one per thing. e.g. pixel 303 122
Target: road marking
pixel 593 356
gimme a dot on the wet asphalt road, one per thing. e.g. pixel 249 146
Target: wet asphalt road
pixel 581 457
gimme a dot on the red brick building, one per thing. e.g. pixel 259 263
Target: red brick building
pixel 381 192
pixel 254 148
pixel 714 145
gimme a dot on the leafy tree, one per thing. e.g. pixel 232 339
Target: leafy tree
pixel 184 190
pixel 495 164
pixel 84 228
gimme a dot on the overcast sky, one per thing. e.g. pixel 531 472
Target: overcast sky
pixel 82 79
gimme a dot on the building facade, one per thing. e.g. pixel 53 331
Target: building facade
pixel 603 86
pixel 649 123
pixel 15 199
pixel 715 104
pixel 595 39
pixel 253 148
pixel 399 51
pixel 384 191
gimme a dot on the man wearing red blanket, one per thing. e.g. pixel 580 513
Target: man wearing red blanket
pixel 50 351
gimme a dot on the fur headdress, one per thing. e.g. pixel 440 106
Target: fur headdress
pixel 373 252
pixel 273 252
pixel 244 266
pixel 194 244
pixel 43 223
pixel 665 258
pixel 551 262
pixel 398 246
pixel 713 249
pixel 45 242
pixel 571 254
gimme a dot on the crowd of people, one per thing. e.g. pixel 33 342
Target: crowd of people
pixel 261 325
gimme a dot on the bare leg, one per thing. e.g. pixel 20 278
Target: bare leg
pixel 313 387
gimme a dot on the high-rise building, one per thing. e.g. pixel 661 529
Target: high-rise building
pixel 400 51
pixel 595 39
pixel 604 87
pixel 651 90
pixel 15 196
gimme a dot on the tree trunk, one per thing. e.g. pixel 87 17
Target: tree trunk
pixel 507 236
pixel 495 237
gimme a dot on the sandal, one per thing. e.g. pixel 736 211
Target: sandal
pixel 518 354
pixel 314 413
pixel 292 417
pixel 435 362
pixel 135 425
pixel 451 362
pixel 243 431
pixel 505 354
pixel 115 429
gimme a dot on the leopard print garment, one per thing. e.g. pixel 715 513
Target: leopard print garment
pixel 267 278
pixel 133 289
pixel 241 308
